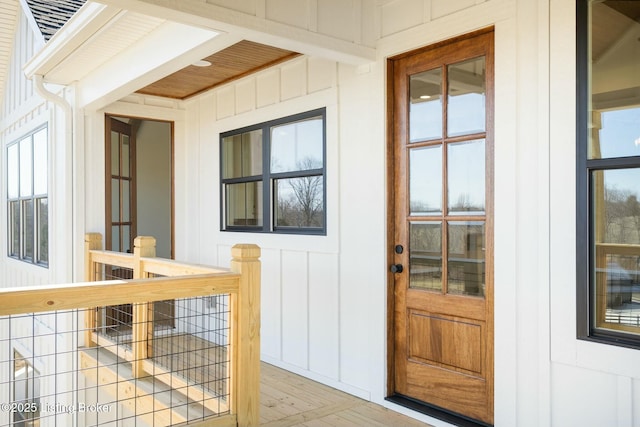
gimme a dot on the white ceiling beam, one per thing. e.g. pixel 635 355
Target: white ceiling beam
pixel 251 27
pixel 161 54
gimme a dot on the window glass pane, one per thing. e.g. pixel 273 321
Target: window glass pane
pixel 425 180
pixel 466 97
pixel 616 133
pixel 297 146
pixel 300 202
pixel 244 204
pixel 465 261
pixel 14 230
pixel 425 110
pixel 616 212
pixel 614 61
pixel 465 177
pixel 26 392
pixel 40 162
pixel 28 228
pixel 242 155
pixel 26 173
pixel 425 255
pixel 13 167
pixel 43 230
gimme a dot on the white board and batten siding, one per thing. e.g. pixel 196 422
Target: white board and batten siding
pixel 22 112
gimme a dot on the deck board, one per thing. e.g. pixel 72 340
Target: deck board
pixel 289 400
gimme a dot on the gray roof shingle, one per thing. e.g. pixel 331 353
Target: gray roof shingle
pixel 51 15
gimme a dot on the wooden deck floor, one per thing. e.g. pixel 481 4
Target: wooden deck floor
pixel 289 400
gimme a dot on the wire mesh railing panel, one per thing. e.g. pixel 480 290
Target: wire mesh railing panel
pixel 49 375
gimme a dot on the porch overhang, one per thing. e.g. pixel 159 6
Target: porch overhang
pixel 111 49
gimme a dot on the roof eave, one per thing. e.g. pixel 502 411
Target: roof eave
pixel 89 19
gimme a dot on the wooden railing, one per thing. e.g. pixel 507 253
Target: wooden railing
pixel 241 284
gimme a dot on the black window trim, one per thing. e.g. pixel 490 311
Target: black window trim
pixel 268 178
pixel 585 233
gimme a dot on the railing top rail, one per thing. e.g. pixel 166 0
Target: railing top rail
pixel 36 299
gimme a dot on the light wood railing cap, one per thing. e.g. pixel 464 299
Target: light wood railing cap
pixel 245 251
pixel 144 242
pixel 93 237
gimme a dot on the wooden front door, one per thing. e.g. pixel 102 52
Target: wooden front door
pixel 441 219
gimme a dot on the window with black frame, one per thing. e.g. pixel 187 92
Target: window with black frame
pixel 609 171
pixel 27 198
pixel 273 176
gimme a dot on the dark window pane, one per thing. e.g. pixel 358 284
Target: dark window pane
pixel 242 155
pixel 425 255
pixel 297 146
pixel 466 262
pixel 244 204
pixel 425 110
pixel 300 202
pixel 14 229
pixel 28 227
pixel 43 231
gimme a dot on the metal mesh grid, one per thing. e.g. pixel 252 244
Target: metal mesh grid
pixel 49 375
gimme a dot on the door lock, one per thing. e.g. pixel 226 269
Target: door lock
pixel 396 268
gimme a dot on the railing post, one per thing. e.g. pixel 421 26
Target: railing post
pixel 245 261
pixel 92 241
pixel 143 247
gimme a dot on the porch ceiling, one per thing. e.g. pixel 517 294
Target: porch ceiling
pixel 238 60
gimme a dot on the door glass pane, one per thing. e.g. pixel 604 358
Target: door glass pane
pixel 299 202
pixel 242 155
pixel 425 180
pixel 126 238
pixel 115 200
pixel 28 228
pixel 40 162
pixel 126 200
pixel 26 163
pixel 12 172
pixel 43 230
pixel 126 153
pixel 466 258
pixel 115 153
pixel 616 213
pixel 465 177
pixel 115 238
pixel 425 108
pixel 297 146
pixel 244 204
pixel 466 97
pixel 425 255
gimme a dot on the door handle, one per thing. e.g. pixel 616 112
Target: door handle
pixel 396 268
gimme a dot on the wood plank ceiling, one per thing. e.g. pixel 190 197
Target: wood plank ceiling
pixel 232 63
